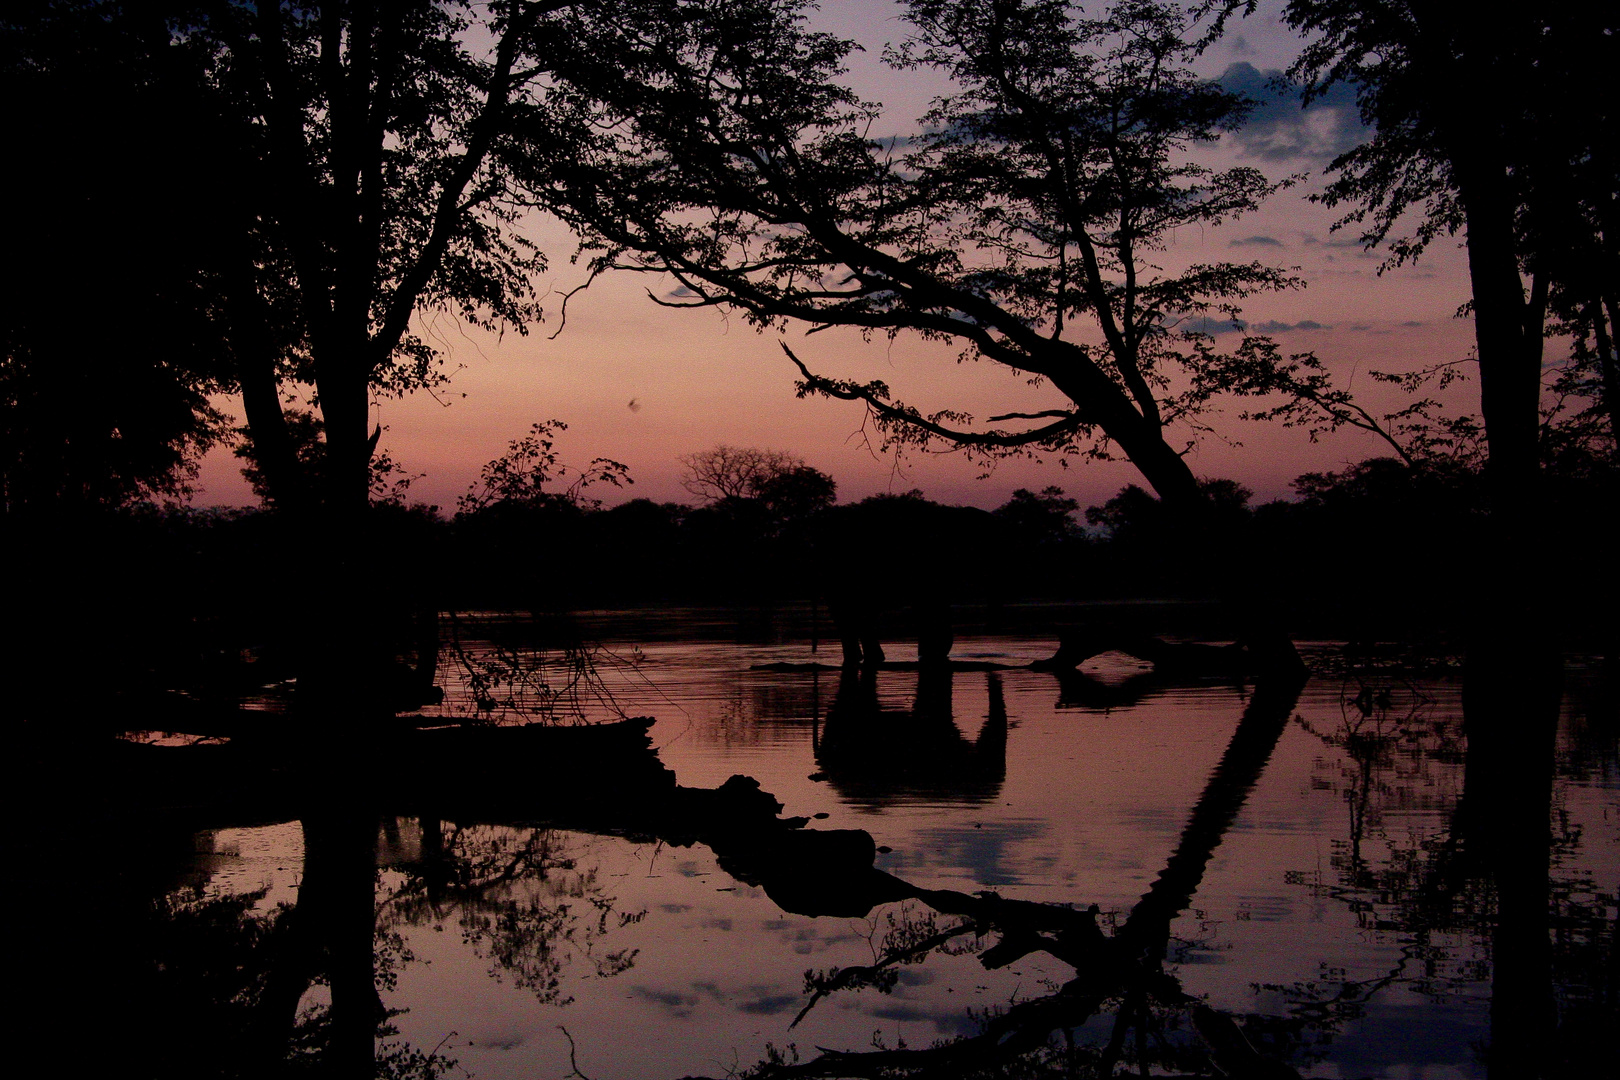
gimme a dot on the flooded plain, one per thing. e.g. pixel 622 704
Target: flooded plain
pixel 1334 917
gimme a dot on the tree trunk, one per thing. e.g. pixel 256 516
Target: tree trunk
pixel 337 897
pixel 343 693
pixel 1507 325
pixel 1510 708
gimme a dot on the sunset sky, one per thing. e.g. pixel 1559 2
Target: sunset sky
pixel 643 384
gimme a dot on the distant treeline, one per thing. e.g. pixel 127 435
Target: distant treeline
pixel 1378 550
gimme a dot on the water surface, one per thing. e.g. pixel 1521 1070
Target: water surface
pixel 1325 921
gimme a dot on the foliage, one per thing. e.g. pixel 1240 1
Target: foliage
pixel 81 429
pixel 1134 515
pixel 1022 223
pixel 797 493
pixel 110 348
pixel 518 478
pixel 397 123
pixel 1501 129
pixel 735 472
pixel 390 482
pixel 1046 517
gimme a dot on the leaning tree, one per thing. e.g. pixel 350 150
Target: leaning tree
pixel 1027 222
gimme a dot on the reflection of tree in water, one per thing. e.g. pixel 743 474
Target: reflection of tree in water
pixel 519 899
pixel 1405 755
pixel 228 986
pixel 876 757
pixel 1123 1006
pixel 203 1002
pixel 1470 906
pixel 1439 898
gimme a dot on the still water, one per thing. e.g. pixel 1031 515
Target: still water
pixel 1335 921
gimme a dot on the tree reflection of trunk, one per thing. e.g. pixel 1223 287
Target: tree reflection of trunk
pixel 1148 926
pixel 934 694
pixel 1510 707
pixel 434 865
pixel 880 756
pixel 332 929
pixel 1131 962
pixel 337 899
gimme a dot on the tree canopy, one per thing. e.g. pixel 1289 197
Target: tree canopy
pixel 1501 129
pixel 1025 222
pixel 109 348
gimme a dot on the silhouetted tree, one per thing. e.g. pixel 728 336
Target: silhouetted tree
pixel 735 472
pixel 394 155
pixel 1501 129
pixel 519 476
pixel 109 348
pixel 796 494
pixel 1020 224
pixel 1044 517
pixel 342 171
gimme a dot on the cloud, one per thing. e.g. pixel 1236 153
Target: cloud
pixel 1257 241
pixel 1411 322
pixel 673 1003
pixel 1278 129
pixel 1272 326
pixel 1213 325
pixel 1332 241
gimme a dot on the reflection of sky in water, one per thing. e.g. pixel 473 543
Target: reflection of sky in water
pixel 992 854
pixel 1093 802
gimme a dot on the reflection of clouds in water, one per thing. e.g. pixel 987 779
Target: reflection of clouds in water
pixel 671 1003
pixel 985 849
pixel 908 1002
pixel 1392 1037
pixel 755 999
pixel 769 1004
pixel 809 937
pixel 506 1040
pixel 945 1023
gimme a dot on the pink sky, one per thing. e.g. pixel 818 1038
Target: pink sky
pixel 644 384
